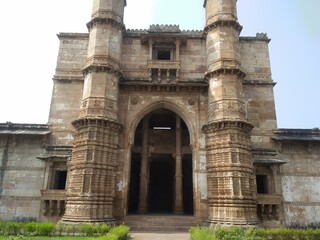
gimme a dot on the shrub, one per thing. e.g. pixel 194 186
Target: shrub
pixel 2 227
pixel 202 234
pixel 107 237
pixel 71 229
pixel 30 228
pixel 88 229
pixel 235 233
pixel 13 228
pixel 45 229
pixel 19 237
pixel 58 229
pixel 102 229
pixel 121 231
pixel 18 230
pixel 228 233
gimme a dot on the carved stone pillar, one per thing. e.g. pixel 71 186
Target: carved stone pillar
pixel 143 192
pixel 230 178
pixel 178 203
pixel 91 187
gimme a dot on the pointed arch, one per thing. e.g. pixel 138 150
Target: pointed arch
pixel 165 105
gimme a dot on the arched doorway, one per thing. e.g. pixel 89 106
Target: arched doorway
pixel 161 166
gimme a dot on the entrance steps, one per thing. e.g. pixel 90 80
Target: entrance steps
pixel 160 223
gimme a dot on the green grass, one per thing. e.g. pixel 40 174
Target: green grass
pixel 43 238
pixel 42 231
pixel 236 233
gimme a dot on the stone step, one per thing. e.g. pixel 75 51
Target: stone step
pixel 165 223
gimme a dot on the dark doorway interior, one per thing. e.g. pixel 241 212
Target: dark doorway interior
pixel 134 183
pixel 187 184
pixel 160 169
pixel 161 184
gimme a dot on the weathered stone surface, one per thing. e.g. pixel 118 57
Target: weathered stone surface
pixel 21 173
pixel 209 146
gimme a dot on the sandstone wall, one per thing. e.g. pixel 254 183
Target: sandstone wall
pixel 258 90
pixel 301 183
pixel 67 87
pixel 21 176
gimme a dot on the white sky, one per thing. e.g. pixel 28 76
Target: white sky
pixel 30 47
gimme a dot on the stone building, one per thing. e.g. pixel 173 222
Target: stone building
pixel 161 121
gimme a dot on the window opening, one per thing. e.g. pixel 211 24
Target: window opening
pixel 60 180
pixel 262 184
pixel 163 55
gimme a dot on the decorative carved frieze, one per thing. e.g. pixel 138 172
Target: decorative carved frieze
pixel 105 14
pixel 106 20
pixel 225 71
pixel 99 107
pixel 143 86
pixel 98 63
pixel 212 24
pixel 226 109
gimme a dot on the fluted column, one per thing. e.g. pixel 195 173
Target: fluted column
pixel 178 203
pixel 91 187
pixel 230 177
pixel 143 191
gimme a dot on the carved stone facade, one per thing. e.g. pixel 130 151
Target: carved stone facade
pixel 163 121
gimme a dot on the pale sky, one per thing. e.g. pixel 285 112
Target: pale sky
pixel 30 47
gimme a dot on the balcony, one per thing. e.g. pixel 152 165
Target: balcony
pixel 268 206
pixel 53 202
pixel 163 69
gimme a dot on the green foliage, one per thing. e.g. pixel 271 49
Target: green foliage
pixel 30 228
pixel 71 229
pixel 106 237
pixel 102 229
pixel 236 233
pixel 45 229
pixel 121 231
pixel 58 229
pixel 87 229
pixel 19 230
pixel 38 229
pixel 202 234
pixel 13 228
pixel 19 237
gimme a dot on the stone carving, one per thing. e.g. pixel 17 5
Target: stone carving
pixel 164 28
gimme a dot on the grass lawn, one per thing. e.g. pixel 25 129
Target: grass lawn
pixel 47 238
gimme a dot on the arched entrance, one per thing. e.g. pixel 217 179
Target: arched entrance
pixel 161 166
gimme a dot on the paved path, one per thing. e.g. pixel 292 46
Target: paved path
pixel 160 236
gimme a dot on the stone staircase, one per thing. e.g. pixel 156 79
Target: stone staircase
pixel 160 223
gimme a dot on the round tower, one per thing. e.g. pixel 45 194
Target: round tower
pixel 230 173
pixel 91 177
